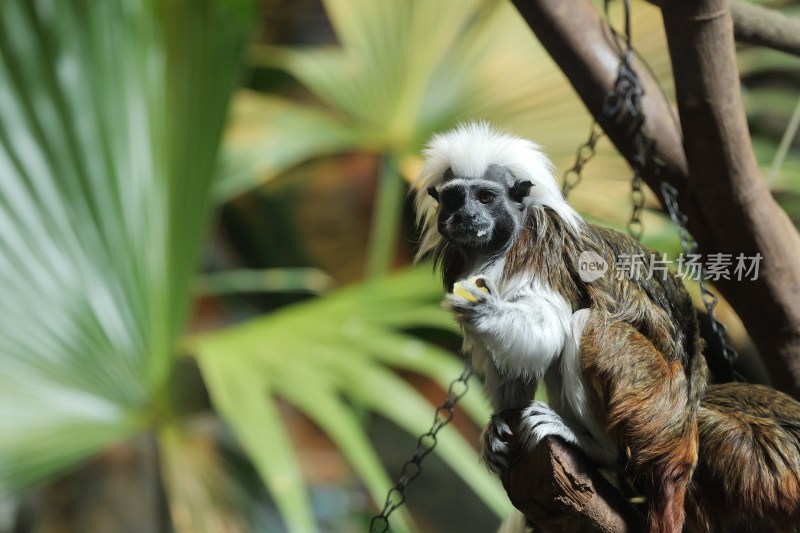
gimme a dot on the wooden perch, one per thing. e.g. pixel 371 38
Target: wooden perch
pixel 558 490
pixel 729 207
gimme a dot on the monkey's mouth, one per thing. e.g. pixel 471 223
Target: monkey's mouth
pixel 470 234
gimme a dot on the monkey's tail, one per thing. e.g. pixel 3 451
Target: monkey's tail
pixel 748 467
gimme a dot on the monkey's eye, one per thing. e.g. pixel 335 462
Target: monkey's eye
pixel 486 197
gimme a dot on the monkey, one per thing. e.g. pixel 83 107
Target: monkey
pixel 619 355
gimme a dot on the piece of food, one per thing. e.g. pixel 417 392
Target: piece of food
pixel 460 288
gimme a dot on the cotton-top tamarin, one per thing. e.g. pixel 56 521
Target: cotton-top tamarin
pixel 620 355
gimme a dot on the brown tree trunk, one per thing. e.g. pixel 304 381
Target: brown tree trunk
pixel 741 213
pixel 729 207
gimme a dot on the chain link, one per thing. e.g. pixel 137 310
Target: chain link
pixel 425 444
pixel 626 96
pixel 710 300
pixel 585 152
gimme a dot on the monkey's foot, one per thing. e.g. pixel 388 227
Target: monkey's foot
pixel 538 421
pixel 497 450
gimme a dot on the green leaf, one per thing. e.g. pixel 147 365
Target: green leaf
pixel 110 117
pixel 268 280
pixel 319 399
pixel 403 405
pixel 313 353
pixel 405 69
pixel 402 352
pixel 243 399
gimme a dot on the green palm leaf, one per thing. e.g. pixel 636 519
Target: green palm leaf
pixel 110 117
pixel 405 69
pixel 339 347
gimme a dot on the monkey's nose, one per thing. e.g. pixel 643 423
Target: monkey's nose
pixel 461 218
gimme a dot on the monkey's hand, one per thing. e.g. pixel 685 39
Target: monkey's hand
pixel 497 451
pixel 473 302
pixel 538 421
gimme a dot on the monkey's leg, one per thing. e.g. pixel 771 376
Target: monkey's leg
pixel 643 402
pixel 507 396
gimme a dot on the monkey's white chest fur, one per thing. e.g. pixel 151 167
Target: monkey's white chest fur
pixel 519 329
pixel 522 331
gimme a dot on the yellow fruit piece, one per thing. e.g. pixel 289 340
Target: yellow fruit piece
pixel 460 288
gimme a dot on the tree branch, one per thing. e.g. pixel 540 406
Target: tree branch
pixel 587 51
pixel 762 26
pixel 558 490
pixel 728 205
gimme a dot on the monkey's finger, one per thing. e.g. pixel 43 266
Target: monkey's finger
pixel 480 294
pixel 459 306
pixel 498 451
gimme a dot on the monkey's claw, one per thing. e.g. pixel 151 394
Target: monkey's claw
pixel 538 421
pixel 497 451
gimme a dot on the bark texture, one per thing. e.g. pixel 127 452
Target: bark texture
pixel 558 489
pixel 741 213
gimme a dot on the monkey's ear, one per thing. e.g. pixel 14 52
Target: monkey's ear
pixel 520 190
pixel 433 193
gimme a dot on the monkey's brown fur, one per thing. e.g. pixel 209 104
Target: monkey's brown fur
pixel 648 379
pixel 646 410
pixel 749 463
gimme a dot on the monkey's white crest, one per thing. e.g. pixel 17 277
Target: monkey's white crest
pixel 468 150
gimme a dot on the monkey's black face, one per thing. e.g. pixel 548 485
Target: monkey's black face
pixel 481 215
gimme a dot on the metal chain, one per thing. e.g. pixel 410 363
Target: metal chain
pixel 586 151
pixel 425 444
pixel 627 95
pixel 710 300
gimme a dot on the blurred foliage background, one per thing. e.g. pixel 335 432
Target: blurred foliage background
pixel 210 321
